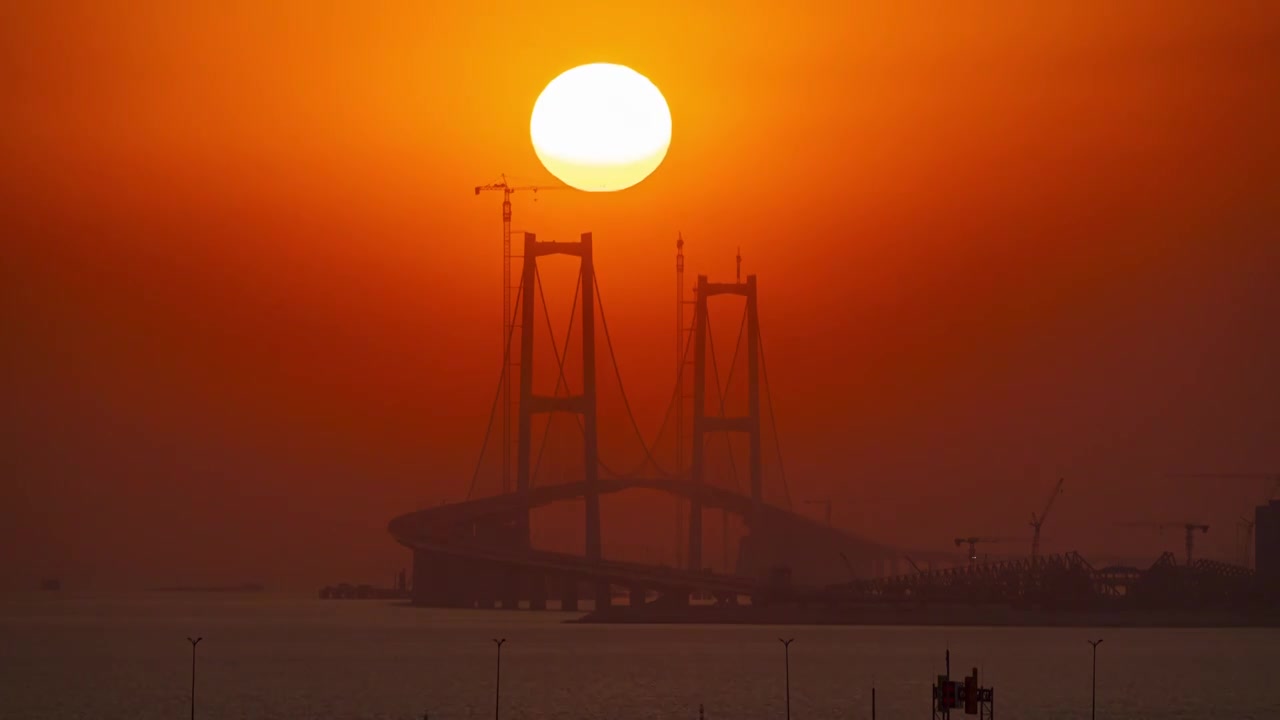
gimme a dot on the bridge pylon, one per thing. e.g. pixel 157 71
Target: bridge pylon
pixel 703 423
pixel 583 404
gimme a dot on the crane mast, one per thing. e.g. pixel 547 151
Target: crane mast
pixel 1038 522
pixel 679 392
pixel 1270 490
pixel 508 320
pixel 1247 525
pixel 1189 528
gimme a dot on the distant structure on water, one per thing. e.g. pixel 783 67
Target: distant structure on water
pixel 349 591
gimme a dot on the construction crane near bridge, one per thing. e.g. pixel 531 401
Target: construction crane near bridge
pixel 1246 525
pixel 1189 528
pixel 508 321
pixel 1270 491
pixel 1038 522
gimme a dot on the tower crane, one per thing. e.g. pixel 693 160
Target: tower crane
pixel 1270 491
pixel 507 319
pixel 1189 528
pixel 1038 522
pixel 973 541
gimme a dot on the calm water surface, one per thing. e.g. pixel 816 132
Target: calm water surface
pixel 66 655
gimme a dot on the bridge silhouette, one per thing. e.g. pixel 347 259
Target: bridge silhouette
pixel 480 551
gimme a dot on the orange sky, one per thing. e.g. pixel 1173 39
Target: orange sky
pixel 253 302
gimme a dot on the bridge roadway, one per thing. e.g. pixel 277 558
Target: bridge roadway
pixel 472 532
pixel 436 531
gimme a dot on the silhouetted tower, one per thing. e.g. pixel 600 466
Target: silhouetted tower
pixel 702 424
pixel 584 404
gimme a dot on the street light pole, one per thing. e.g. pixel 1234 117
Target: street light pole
pixel 1093 693
pixel 194 642
pixel 786 655
pixel 497 681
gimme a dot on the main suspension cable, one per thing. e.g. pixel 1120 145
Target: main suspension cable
pixel 728 441
pixel 728 383
pixel 604 323
pixel 777 442
pixel 560 359
pixel 666 417
pixel 733 362
pixel 497 396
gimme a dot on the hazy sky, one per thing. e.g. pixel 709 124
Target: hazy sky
pixel 252 303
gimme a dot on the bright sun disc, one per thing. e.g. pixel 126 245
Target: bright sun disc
pixel 601 127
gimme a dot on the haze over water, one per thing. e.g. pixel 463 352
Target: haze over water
pixel 289 656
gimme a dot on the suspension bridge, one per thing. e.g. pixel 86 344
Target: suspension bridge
pixel 530 532
pixel 483 551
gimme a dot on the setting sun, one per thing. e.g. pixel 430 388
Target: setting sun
pixel 601 127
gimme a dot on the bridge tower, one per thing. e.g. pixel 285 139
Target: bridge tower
pixel 584 404
pixel 702 423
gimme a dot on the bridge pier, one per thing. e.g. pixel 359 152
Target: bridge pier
pixel 569 593
pixel 638 596
pixel 461 589
pixel 674 597
pixel 604 595
pixel 537 591
pixel 428 585
pixel 444 581
pixel 510 588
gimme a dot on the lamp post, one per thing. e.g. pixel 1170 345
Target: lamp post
pixel 1093 693
pixel 786 657
pixel 497 680
pixel 194 642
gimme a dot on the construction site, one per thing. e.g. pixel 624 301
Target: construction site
pixel 716 463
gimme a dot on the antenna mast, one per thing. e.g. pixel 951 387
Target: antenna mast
pixel 679 392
